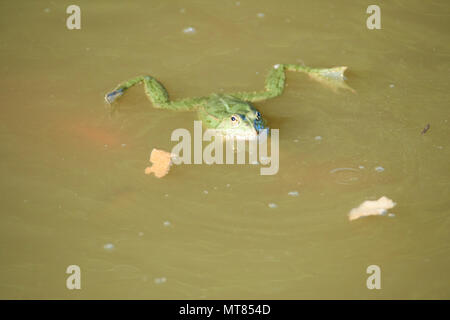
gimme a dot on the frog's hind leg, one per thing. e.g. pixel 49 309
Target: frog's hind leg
pixel 154 90
pixel 275 81
pixel 156 93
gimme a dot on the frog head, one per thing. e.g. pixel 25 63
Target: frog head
pixel 232 117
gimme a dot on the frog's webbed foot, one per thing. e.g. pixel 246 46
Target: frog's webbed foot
pixel 333 78
pixel 112 96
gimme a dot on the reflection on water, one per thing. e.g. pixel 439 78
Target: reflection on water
pixel 74 189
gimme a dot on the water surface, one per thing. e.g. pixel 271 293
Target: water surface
pixel 73 176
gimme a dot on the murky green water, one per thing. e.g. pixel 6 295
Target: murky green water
pixel 73 177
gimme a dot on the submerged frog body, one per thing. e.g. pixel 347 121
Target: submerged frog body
pixel 231 115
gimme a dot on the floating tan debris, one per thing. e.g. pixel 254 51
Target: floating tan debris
pixel 372 208
pixel 161 160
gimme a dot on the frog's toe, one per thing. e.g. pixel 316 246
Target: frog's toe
pixel 112 96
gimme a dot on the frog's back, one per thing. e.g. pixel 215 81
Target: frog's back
pixel 224 104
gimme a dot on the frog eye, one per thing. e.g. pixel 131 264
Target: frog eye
pixel 234 120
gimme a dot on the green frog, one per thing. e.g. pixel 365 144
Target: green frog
pixel 232 115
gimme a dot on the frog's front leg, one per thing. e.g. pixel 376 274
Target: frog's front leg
pixel 156 93
pixel 275 81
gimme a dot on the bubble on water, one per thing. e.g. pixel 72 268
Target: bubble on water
pixel 182 10
pixel 295 140
pixel 47 10
pixel 160 280
pixel 189 30
pixel 318 138
pixel 167 224
pixel 237 3
pixel 276 66
pixel 391 85
pixel 361 167
pixel 140 234
pixel 228 185
pixel 109 247
pixel 379 169
pixel 123 145
pixel 205 191
pixel 391 215
pixel 293 193
pixel 273 205
pixel 260 15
